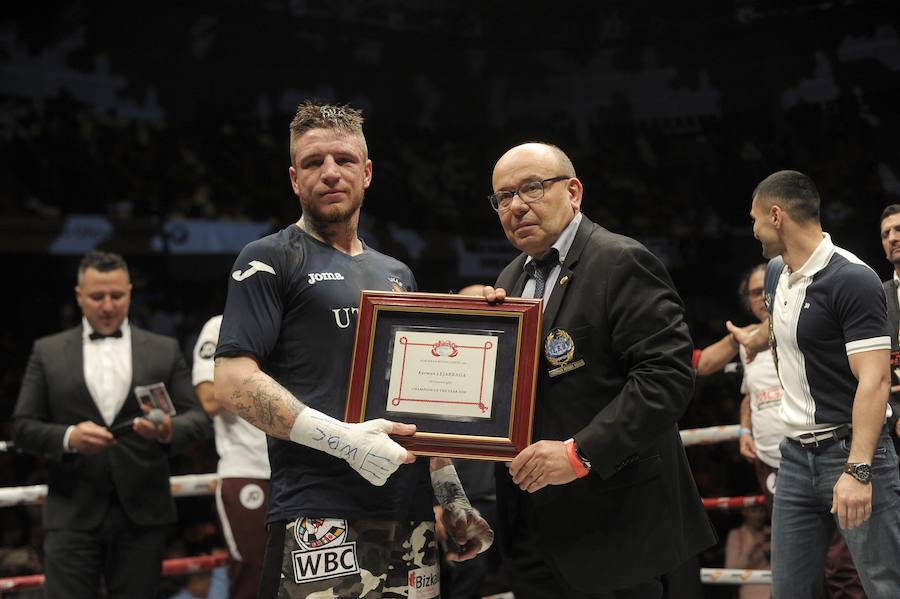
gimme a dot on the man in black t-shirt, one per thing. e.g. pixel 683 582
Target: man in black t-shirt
pixel 349 511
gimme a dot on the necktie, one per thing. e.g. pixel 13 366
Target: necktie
pixel 539 270
pixel 117 334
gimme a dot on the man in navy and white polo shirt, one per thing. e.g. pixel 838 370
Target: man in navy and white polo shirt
pixel 829 333
pixel 350 514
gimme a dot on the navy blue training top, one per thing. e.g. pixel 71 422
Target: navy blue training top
pixel 292 304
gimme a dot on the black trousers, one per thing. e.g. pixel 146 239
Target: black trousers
pixel 126 556
pixel 531 573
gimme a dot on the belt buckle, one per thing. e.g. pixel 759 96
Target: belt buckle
pixel 814 440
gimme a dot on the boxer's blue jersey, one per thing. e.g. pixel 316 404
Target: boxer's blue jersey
pixel 292 304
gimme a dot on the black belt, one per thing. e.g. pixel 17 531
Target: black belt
pixel 808 440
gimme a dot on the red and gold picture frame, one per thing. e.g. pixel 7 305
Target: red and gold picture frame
pixel 460 369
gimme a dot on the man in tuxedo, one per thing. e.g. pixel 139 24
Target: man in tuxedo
pixel 890 241
pixel 109 499
pixel 602 504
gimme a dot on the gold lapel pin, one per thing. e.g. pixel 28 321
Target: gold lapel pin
pixel 564 280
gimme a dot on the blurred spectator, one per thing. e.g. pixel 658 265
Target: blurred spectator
pixel 748 548
pixel 196 538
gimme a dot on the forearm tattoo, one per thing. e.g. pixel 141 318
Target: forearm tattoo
pixel 261 401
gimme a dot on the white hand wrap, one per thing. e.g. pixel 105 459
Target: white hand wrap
pixel 365 446
pixel 449 492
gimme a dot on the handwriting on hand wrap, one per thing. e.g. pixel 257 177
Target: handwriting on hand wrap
pixel 372 461
pixel 347 451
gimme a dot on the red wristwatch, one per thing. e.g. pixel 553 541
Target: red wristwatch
pixel 580 465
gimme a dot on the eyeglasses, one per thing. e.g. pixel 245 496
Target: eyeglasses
pixel 528 192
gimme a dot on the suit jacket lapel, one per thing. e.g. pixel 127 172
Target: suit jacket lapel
pixel 138 366
pixel 893 310
pixel 566 274
pixel 74 348
pixel 519 286
pixel 513 277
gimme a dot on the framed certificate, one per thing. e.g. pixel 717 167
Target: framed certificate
pixel 460 369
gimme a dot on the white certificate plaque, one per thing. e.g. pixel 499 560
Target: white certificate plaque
pixel 442 374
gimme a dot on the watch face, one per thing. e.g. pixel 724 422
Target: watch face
pixel 861 472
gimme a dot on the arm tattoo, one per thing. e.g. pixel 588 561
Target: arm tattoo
pixel 261 401
pixel 242 409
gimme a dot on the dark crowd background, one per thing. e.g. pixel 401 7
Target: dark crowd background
pixel 159 131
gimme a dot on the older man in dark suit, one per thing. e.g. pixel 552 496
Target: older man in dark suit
pixel 109 499
pixel 603 504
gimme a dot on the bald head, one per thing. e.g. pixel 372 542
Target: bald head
pixel 533 221
pixel 540 153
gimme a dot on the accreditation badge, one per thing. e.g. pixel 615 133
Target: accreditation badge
pixel 559 349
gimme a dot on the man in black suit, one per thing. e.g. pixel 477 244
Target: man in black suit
pixel 109 499
pixel 890 241
pixel 602 504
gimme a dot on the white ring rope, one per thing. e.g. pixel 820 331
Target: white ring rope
pixel 731 576
pixel 712 434
pixel 190 485
pixel 186 485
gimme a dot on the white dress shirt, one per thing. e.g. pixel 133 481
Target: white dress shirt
pixel 562 244
pixel 107 372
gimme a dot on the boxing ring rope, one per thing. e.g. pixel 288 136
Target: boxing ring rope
pixel 191 485
pixel 733 503
pixel 186 485
pixel 709 435
pixel 730 576
pixel 171 567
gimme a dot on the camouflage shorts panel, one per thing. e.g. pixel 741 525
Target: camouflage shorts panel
pixel 327 558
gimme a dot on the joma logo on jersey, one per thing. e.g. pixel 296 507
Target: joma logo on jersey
pixel 255 267
pixel 396 284
pixel 319 564
pixel 315 277
pixel 342 316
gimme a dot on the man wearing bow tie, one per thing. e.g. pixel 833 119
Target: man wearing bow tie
pixel 602 505
pixel 108 501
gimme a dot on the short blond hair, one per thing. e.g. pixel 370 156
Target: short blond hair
pixel 313 115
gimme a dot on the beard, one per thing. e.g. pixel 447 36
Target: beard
pixel 332 214
pixel 771 249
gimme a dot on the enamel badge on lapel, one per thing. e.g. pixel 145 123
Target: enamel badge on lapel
pixel 559 349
